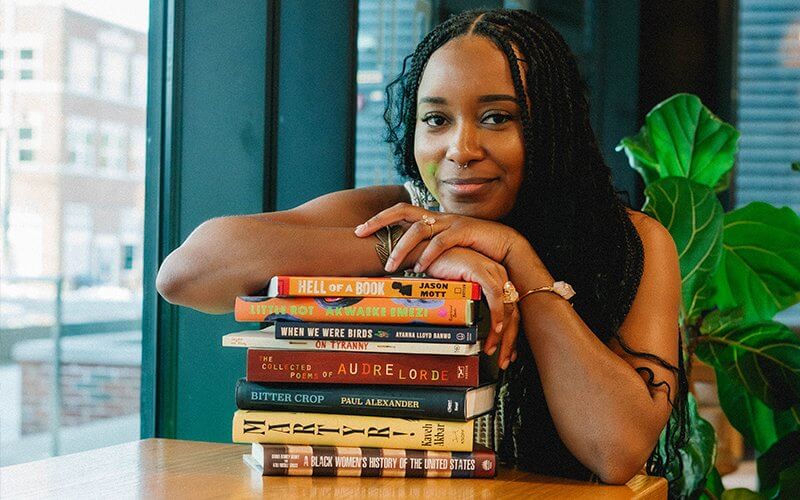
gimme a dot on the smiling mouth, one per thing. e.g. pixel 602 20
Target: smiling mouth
pixel 470 185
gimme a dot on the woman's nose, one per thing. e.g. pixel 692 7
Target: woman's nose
pixel 464 145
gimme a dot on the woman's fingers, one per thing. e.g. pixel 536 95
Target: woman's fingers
pixel 416 234
pixel 509 340
pixel 502 314
pixel 402 212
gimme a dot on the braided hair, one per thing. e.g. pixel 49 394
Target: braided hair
pixel 566 207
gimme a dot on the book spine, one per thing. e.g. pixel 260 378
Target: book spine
pixel 380 401
pixel 450 312
pixel 289 460
pixel 273 365
pixel 373 332
pixel 415 288
pixel 351 430
pixel 267 340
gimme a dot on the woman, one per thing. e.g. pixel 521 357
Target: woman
pixel 507 188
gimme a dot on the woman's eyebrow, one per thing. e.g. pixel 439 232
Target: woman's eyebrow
pixel 497 97
pixel 483 98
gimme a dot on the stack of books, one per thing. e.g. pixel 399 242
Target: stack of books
pixel 363 377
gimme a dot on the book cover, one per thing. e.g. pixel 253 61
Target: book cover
pixel 322 429
pixel 265 339
pixel 376 332
pixel 399 287
pixel 272 365
pixel 452 312
pixel 296 460
pixel 445 403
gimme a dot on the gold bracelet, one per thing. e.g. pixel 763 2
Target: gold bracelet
pixel 560 288
pixel 387 239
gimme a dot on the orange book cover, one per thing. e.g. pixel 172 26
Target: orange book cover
pixel 389 286
pixel 452 312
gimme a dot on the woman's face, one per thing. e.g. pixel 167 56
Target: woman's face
pixel 467 114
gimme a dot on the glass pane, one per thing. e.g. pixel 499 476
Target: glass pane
pixel 72 146
pixel 768 107
pixel 388 30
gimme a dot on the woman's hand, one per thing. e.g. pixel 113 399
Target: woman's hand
pixel 463 264
pixel 492 239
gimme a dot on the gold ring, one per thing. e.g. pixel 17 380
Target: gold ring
pixel 429 221
pixel 510 294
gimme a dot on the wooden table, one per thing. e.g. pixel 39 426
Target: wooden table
pixel 164 468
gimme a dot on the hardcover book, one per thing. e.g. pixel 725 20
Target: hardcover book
pixel 272 365
pixel 265 339
pixel 446 403
pixel 294 460
pixel 451 312
pixel 322 429
pixel 376 332
pixel 399 287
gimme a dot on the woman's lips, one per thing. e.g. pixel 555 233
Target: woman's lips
pixel 470 186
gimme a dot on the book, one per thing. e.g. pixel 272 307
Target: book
pixel 273 365
pixel 250 426
pixel 265 339
pixel 452 312
pixel 388 286
pixel 294 460
pixel 445 403
pixel 365 331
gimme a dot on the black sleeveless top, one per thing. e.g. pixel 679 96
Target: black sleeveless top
pixel 522 431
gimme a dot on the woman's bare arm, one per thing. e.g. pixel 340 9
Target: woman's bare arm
pixel 603 410
pixel 230 256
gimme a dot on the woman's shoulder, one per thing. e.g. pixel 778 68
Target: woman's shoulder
pixel 660 252
pixel 650 231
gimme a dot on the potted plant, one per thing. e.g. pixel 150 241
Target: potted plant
pixel 738 270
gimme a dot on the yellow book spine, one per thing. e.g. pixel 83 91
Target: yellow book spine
pixel 276 427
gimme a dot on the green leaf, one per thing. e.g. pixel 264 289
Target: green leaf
pixel 694 217
pixel 763 357
pixel 796 166
pixel 697 457
pixel 741 494
pixel 760 425
pixel 760 267
pixel 714 487
pixel 790 481
pixel 682 138
pixel 781 456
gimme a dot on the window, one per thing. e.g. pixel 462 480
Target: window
pixel 137 141
pixel 26 243
pixel 111 152
pixel 139 80
pixel 768 107
pixel 387 32
pixel 80 142
pixel 114 78
pixel 82 66
pixel 66 224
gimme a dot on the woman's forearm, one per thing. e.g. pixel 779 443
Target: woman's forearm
pixel 234 256
pixel 600 405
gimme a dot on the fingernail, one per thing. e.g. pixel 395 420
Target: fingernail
pixel 513 356
pixel 505 363
pixel 491 350
pixel 359 228
pixel 389 265
pixel 417 268
pixel 499 327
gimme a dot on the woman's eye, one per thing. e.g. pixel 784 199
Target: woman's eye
pixel 434 120
pixel 497 118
